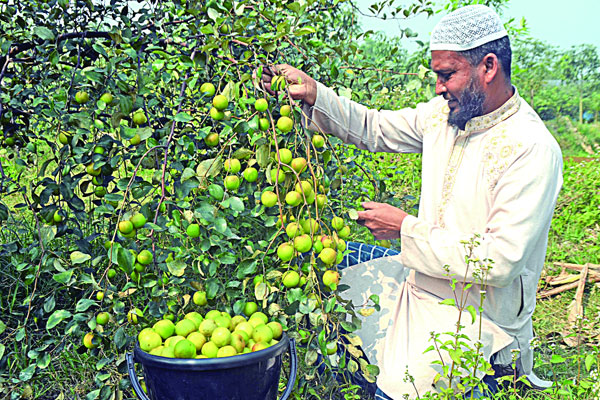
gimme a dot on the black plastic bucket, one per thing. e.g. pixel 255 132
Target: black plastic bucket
pixel 251 376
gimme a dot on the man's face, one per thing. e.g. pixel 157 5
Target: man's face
pixel 458 82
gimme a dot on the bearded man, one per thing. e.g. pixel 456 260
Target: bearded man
pixel 490 168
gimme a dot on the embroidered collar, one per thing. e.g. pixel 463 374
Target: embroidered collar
pixel 495 117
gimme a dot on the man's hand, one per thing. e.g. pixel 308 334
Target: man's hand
pixel 300 85
pixel 383 220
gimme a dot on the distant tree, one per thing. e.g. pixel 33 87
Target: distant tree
pixel 580 67
pixel 533 62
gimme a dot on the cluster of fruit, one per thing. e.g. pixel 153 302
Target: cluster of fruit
pixel 302 238
pixel 128 228
pixel 217 334
pixel 296 188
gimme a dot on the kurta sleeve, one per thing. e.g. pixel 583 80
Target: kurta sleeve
pixel 523 202
pixel 398 131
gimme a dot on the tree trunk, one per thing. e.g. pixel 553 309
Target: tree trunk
pixel 580 109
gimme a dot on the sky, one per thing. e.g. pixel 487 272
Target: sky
pixel 557 22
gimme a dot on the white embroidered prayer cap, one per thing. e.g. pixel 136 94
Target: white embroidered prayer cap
pixel 466 28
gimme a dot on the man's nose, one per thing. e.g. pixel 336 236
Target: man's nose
pixel 440 88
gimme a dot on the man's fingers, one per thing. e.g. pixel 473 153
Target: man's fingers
pixel 369 205
pixel 297 91
pixel 267 71
pixel 362 216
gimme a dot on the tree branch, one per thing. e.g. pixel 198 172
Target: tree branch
pixel 21 47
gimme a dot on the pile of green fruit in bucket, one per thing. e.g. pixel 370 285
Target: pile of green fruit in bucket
pixel 215 335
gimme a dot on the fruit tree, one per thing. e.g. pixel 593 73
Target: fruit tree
pixel 145 174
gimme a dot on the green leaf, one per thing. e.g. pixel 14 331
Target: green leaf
pixel 311 357
pixel 113 252
pixel 78 257
pixel 4 211
pixel 448 302
pixel 206 210
pixel 125 260
pixel 187 174
pixel 423 71
pixel 220 225
pixel 473 313
pixel 374 298
pixel 261 291
pixel 557 359
pixel 116 118
pixel 2 329
pixel 93 395
pixel 589 361
pixel 239 8
pixel 230 92
pixel 47 233
pixel 209 168
pixel 370 371
pixel 121 338
pixel 262 155
pixel 93 75
pixel 183 117
pixel 212 288
pixel 101 363
pixel 43 361
pixel 207 29
pixel 236 204
pixel 305 30
pixel 227 259
pixel 352 366
pixel 295 7
pixel 455 355
pixel 321 340
pixel 144 132
pixel 294 294
pixel 57 317
pixel 2 350
pixel 100 49
pixel 247 267
pixel 63 277
pixel 113 197
pixel 348 326
pixel 49 304
pixel 27 373
pixel 43 32
pixel 131 53
pixel 177 267
pixel 353 214
pixel 242 153
pixel 84 304
pixel 330 304
pixel 213 14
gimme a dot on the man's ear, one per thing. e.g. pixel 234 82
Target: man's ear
pixel 491 67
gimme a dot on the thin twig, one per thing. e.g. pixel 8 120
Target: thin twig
pixel 168 144
pixel 564 288
pixel 39 267
pixel 378 70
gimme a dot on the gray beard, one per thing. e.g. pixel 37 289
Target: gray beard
pixel 470 105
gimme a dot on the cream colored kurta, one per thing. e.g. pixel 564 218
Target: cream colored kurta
pixel 499 178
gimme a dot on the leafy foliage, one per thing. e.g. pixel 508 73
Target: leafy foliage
pixel 105 118
pixel 72 169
